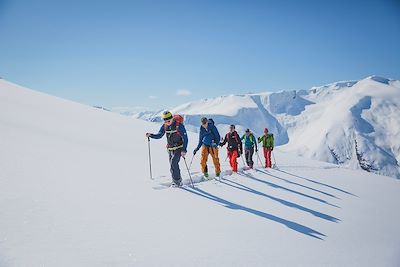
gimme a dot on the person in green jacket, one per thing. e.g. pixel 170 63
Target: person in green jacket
pixel 249 145
pixel 268 145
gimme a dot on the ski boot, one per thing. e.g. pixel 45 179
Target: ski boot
pixel 176 183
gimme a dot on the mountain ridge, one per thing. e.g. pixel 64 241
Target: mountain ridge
pixel 341 120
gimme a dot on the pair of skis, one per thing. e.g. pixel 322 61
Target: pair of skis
pixel 184 158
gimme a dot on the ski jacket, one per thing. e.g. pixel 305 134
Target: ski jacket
pixel 267 140
pixel 249 141
pixel 210 136
pixel 234 142
pixel 176 136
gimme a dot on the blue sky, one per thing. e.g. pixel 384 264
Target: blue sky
pixel 141 53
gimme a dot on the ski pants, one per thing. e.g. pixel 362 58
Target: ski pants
pixel 248 152
pixel 233 155
pixel 174 158
pixel 205 151
pixel 267 155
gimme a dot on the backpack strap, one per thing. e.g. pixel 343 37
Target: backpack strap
pixel 177 123
pixel 237 137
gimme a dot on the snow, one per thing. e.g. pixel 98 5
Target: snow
pixel 75 191
pixel 353 120
pixel 225 105
pixel 352 123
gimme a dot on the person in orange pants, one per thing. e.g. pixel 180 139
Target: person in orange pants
pixel 213 151
pixel 234 148
pixel 209 139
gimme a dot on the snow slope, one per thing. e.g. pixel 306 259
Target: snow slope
pixel 352 123
pixel 356 126
pixel 75 191
pixel 245 111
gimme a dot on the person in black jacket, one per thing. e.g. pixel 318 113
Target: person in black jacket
pixel 177 142
pixel 234 147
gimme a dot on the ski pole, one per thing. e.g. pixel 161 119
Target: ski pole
pixel 191 161
pixel 259 160
pixel 273 155
pixel 148 142
pixel 190 176
pixel 244 165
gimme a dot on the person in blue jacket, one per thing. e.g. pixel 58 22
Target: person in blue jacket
pixel 249 144
pixel 209 140
pixel 177 142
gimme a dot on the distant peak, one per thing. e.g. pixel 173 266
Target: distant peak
pixel 335 85
pixel 378 79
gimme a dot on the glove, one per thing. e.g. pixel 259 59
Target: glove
pixel 194 152
pixel 148 135
pixel 272 148
pixel 238 155
pixel 183 154
pixel 256 150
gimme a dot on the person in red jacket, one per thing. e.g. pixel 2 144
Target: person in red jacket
pixel 234 147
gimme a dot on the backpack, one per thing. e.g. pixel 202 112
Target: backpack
pixel 178 120
pixel 236 137
pixel 250 137
pixel 265 139
pixel 233 141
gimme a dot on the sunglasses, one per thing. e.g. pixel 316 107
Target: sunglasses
pixel 168 121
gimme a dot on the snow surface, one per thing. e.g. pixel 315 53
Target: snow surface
pixel 75 191
pixel 356 126
pixel 351 123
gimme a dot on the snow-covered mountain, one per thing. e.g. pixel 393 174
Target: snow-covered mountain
pixel 75 191
pixel 351 123
pixel 136 112
pixel 355 123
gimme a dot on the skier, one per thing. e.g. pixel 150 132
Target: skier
pixel 234 148
pixel 249 145
pixel 208 140
pixel 177 142
pixel 268 145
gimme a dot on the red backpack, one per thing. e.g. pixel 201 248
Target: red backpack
pixel 178 120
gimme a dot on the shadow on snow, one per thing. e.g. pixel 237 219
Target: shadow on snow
pixel 230 205
pixel 294 183
pixel 318 183
pixel 282 201
pixel 286 189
